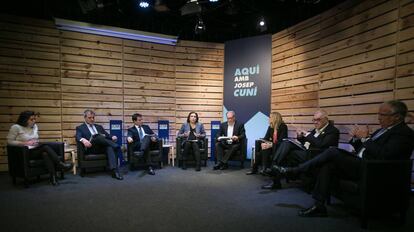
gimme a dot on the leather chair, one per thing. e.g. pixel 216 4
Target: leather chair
pixel 384 188
pixel 203 152
pixel 240 154
pixel 136 158
pixel 22 166
pixel 89 160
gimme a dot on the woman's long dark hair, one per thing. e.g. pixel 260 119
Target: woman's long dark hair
pixel 188 117
pixel 24 117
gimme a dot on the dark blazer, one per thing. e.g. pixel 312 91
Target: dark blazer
pixel 133 132
pixel 328 138
pixel 395 144
pixel 82 131
pixel 238 130
pixel 282 133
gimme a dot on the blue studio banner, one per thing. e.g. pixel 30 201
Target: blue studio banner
pixel 247 84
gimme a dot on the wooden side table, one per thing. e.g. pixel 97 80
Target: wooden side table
pixel 72 153
pixel 171 153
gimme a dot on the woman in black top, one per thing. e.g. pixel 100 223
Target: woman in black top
pixel 265 147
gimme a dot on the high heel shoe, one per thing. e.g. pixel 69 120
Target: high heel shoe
pixel 53 180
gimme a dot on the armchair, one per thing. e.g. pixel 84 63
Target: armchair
pixel 22 166
pixel 89 160
pixel 203 151
pixel 241 154
pixel 384 187
pixel 136 158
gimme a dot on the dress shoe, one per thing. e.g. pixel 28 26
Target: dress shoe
pixel 224 166
pixel 284 170
pixel 198 168
pixel 65 166
pixel 53 180
pixel 314 211
pixel 217 166
pixel 251 172
pixel 151 171
pixel 273 185
pixel 184 167
pixel 117 175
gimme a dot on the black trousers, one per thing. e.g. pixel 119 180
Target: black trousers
pixel 192 148
pixel 334 163
pixel 48 155
pixel 144 146
pixel 290 155
pixel 100 144
pixel 231 149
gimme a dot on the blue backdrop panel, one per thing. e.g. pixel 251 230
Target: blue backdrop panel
pixel 215 127
pixel 163 129
pixel 247 83
pixel 115 128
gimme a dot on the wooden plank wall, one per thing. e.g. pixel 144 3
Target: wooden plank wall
pixel 347 61
pixel 60 74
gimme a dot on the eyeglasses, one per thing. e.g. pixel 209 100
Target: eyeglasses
pixel 317 119
pixel 385 115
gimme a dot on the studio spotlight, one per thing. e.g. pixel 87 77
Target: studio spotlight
pixel 213 0
pixel 199 27
pixel 261 24
pixel 143 4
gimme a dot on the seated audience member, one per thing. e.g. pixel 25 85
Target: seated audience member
pixel 192 132
pixel 97 140
pixel 234 131
pixel 142 138
pixel 324 135
pixel 25 133
pixel 393 141
pixel 276 131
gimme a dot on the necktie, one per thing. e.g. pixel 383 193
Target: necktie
pixel 379 133
pixel 140 132
pixel 275 136
pixel 376 136
pixel 94 132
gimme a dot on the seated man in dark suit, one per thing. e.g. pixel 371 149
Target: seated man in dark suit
pixel 235 133
pixel 323 136
pixel 142 137
pixel 393 141
pixel 97 140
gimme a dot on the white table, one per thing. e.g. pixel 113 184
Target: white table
pixel 171 153
pixel 72 153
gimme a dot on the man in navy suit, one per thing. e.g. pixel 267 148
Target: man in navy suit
pixel 236 133
pixel 97 140
pixel 142 138
pixel 393 141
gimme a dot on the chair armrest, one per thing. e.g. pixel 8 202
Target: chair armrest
pixel 243 147
pixel 385 179
pixel 58 147
pixel 81 150
pixel 18 158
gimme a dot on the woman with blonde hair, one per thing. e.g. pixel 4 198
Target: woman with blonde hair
pixel 265 147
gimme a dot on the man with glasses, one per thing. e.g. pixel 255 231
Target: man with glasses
pixel 393 141
pixel 228 138
pixel 292 153
pixel 97 140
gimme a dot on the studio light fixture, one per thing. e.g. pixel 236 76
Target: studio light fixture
pixel 69 25
pixel 261 24
pixel 143 3
pixel 199 27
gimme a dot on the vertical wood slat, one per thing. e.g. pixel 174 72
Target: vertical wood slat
pixel 362 59
pixel 60 74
